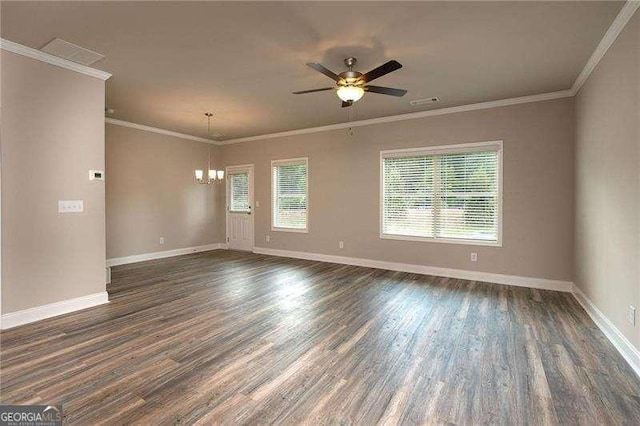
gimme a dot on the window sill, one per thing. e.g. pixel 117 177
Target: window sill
pixel 296 230
pixel 442 240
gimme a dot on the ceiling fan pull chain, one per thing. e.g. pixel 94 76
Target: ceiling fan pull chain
pixel 351 115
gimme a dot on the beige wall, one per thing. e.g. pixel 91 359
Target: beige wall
pixel 344 189
pixel 151 193
pixel 607 221
pixel 52 135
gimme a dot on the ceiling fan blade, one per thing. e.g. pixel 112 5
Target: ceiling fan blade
pixel 324 71
pixel 313 90
pixel 385 90
pixel 381 70
pixel 346 104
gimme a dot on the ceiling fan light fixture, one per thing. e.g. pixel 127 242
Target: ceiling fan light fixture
pixel 352 84
pixel 350 93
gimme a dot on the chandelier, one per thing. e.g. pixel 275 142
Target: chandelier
pixel 213 175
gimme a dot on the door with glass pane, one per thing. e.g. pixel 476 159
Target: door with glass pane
pixel 239 207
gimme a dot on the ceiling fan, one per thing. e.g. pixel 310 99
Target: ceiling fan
pixel 351 84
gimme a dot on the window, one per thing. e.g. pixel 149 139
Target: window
pixel 450 194
pixel 238 192
pixel 289 203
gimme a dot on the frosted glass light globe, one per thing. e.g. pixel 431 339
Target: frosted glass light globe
pixel 350 93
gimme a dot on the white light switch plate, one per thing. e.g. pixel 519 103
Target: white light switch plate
pixel 70 206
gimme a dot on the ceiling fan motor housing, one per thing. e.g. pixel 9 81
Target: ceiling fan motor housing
pixel 349 77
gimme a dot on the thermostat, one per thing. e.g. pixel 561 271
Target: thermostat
pixel 96 175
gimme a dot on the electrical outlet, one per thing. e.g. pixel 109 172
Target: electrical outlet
pixel 341 244
pixel 96 175
pixel 161 240
pixel 632 315
pixel 268 238
pixel 257 203
pixel 474 257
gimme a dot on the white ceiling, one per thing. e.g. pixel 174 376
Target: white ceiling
pixel 172 61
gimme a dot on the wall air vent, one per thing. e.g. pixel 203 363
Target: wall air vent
pixel 417 102
pixel 71 52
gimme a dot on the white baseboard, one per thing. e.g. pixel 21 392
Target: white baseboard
pixel 162 254
pixel 615 336
pixel 14 319
pixel 514 280
pixel 621 343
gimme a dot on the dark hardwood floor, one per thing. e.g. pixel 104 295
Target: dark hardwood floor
pixel 229 337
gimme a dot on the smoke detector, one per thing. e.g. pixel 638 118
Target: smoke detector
pixel 64 49
pixel 417 102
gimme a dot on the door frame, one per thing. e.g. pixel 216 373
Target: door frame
pixel 231 169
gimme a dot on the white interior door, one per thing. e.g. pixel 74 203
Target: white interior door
pixel 240 207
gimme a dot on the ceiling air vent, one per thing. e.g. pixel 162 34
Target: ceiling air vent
pixel 417 102
pixel 70 51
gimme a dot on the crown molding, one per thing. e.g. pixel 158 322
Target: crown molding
pixel 157 130
pixel 409 116
pixel 616 27
pixel 359 123
pixel 41 56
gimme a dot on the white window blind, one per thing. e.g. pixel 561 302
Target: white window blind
pixel 443 194
pixel 290 192
pixel 238 192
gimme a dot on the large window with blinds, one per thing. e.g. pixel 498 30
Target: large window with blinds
pixel 446 194
pixel 289 199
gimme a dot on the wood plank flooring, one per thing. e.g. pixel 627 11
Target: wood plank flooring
pixel 239 338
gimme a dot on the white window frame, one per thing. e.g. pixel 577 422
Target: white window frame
pixel 228 173
pixel 285 162
pixel 439 150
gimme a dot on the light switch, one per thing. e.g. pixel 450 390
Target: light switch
pixel 70 206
